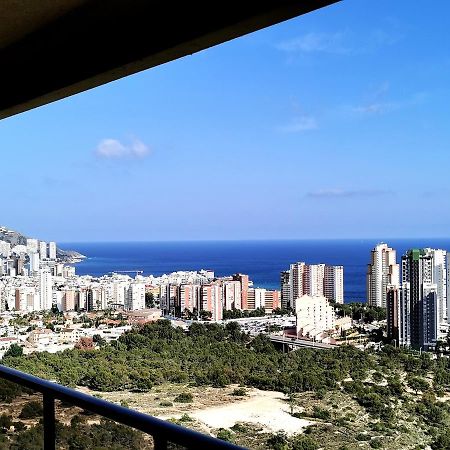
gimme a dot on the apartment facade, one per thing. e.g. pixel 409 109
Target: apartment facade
pixel 314 315
pixel 382 272
pixel 312 280
pixel 423 303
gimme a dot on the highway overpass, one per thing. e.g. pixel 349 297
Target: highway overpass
pixel 294 344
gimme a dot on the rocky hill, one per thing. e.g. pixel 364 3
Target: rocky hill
pixel 16 238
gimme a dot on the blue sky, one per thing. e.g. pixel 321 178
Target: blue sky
pixel 334 124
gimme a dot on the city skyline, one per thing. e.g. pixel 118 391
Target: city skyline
pixel 251 139
pixel 35 277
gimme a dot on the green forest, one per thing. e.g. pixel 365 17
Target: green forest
pixel 209 355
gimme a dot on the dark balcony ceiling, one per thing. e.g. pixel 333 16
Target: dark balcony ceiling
pixel 50 49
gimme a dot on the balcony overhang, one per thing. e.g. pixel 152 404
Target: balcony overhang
pixel 51 49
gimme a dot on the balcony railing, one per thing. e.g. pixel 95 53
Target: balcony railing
pixel 161 431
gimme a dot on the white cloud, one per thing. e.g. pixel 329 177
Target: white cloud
pixel 342 193
pixel 299 124
pixel 111 148
pixel 376 108
pixel 346 42
pixel 114 149
pixel 316 42
pixel 378 104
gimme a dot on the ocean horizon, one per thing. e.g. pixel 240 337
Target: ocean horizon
pixel 262 260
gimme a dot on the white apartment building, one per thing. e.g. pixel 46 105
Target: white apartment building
pixel 439 278
pixel 231 294
pixel 68 302
pixel 96 297
pixel 34 262
pixel 57 299
pixel 312 280
pixel 297 289
pixel 52 250
pixel 69 335
pixel 260 298
pixel 68 271
pixel 285 288
pixel 423 303
pixel 8 296
pixel 256 298
pixel 448 292
pixel 5 248
pixel 33 245
pixel 42 336
pixel 211 300
pixel 188 298
pixel 45 290
pixel 315 315
pixel 116 291
pixel 333 285
pixel 135 299
pixel 168 298
pixel 382 271
pixel 43 250
pixel 82 298
pixel 27 299
pixel 19 249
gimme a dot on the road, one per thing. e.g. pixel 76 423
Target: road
pixel 299 342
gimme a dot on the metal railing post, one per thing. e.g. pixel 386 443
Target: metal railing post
pixel 49 422
pixel 161 431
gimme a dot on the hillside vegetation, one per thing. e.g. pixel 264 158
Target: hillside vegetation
pixel 380 390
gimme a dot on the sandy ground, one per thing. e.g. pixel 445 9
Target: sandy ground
pixel 214 408
pixel 266 408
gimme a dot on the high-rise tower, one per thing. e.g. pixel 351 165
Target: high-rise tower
pixel 313 280
pixel 423 312
pixel 285 288
pixel 382 272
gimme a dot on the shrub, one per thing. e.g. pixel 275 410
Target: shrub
pixel 166 403
pixel 184 397
pixel 14 350
pixel 5 421
pixel 225 435
pixel 417 384
pixel 31 410
pixel 9 391
pixel 239 428
pixel 304 443
pixel 19 426
pixel 320 413
pixel 377 426
pixel 376 443
pixel 186 418
pixel 239 392
pixel 362 437
pixel 320 394
pixel 377 377
pixel 442 442
pixel 277 441
pixel 340 421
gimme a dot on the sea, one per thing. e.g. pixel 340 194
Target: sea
pixel 261 260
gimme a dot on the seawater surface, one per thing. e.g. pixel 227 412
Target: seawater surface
pixel 262 260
